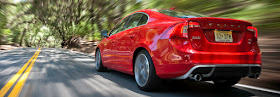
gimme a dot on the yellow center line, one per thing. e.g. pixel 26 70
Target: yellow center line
pixel 10 83
pixel 15 92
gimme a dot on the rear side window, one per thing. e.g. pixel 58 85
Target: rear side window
pixel 120 26
pixel 133 22
pixel 143 20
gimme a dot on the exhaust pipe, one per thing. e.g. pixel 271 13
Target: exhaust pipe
pixel 197 77
pixel 256 75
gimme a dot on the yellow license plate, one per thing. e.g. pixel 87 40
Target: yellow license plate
pixel 223 36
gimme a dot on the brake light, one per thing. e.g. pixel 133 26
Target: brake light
pixel 253 29
pixel 181 30
pixel 178 31
pixel 193 24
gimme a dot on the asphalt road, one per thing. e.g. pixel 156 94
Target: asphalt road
pixel 63 73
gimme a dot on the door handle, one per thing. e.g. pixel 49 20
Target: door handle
pixel 131 36
pixel 112 42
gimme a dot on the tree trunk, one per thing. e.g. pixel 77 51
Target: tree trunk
pixel 39 42
pixel 63 43
pixel 22 36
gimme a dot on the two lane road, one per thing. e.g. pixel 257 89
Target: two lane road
pixel 63 73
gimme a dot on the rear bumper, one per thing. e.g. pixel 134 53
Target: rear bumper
pixel 220 71
pixel 176 57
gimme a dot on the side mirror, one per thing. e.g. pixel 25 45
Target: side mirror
pixel 104 33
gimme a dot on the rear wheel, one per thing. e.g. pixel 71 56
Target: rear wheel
pixel 145 74
pixel 226 83
pixel 98 62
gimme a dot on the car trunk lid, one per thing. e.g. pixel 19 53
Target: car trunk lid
pixel 220 35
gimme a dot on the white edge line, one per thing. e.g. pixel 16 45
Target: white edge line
pixel 258 88
pixel 253 87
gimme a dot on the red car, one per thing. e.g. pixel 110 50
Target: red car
pixel 155 44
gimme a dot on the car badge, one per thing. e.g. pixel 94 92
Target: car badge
pixel 196 37
pixel 238 26
pixel 218 24
pixel 210 24
pixel 232 25
pixel 225 25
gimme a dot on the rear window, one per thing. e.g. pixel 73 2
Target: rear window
pixel 180 14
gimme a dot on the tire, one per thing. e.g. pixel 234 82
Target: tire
pixel 98 62
pixel 144 71
pixel 226 83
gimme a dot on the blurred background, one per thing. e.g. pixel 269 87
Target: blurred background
pixel 75 24
pixel 50 23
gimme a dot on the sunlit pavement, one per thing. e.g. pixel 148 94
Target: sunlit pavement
pixel 64 73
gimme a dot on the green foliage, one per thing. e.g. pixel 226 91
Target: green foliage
pixel 264 14
pixel 97 36
pixel 6 31
pixel 82 29
pixel 3 31
pixel 15 35
pixel 50 22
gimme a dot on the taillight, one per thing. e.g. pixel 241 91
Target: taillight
pixel 181 30
pixel 193 24
pixel 253 29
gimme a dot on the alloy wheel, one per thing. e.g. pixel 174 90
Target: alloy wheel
pixel 97 60
pixel 141 70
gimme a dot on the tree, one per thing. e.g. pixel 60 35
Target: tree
pixel 22 22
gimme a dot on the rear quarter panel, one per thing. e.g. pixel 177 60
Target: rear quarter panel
pixel 148 36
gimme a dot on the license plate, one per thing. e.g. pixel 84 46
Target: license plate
pixel 223 36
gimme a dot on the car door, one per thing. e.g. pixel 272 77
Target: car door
pixel 126 43
pixel 109 53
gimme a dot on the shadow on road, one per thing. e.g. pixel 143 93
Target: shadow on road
pixel 175 87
